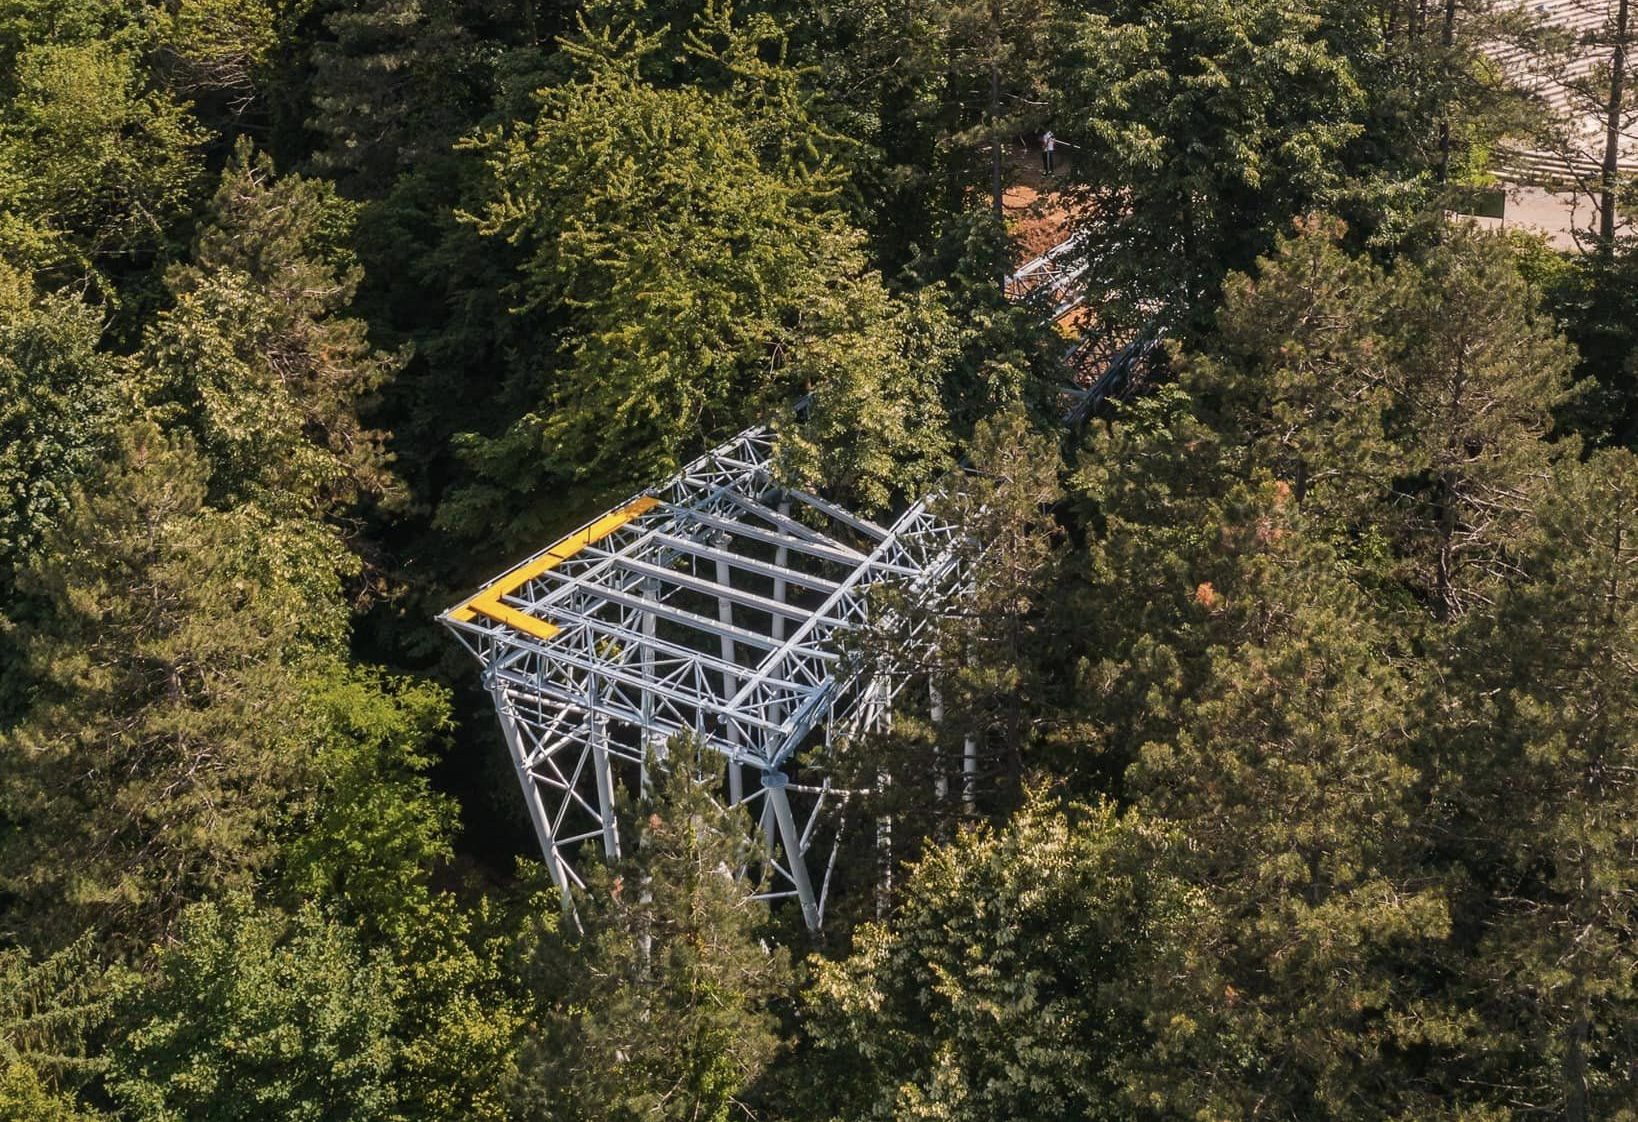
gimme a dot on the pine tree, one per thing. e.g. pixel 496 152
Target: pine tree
pixel 1594 299
pixel 666 1011
pixel 1537 757
pixel 686 248
pixel 60 399
pixel 1007 983
pixel 1293 774
pixel 254 357
pixel 993 646
pixel 1299 373
pixel 166 736
pixel 1435 105
pixel 395 84
pixel 1476 381
pixel 1254 641
pixel 49 1013
pixel 1203 130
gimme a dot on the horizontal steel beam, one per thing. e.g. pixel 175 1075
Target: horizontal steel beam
pixel 709 587
pixel 835 554
pixel 747 564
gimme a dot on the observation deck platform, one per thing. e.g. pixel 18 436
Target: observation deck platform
pixel 717 606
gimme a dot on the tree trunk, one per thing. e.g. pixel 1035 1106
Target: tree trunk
pixel 1575 1069
pixel 1612 131
pixel 1448 39
pixel 995 106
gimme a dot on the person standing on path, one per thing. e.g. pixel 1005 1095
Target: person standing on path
pixel 1049 143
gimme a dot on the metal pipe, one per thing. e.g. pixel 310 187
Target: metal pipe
pixel 730 682
pixel 531 799
pixel 605 786
pixel 650 591
pixel 774 783
pixel 781 592
pixel 969 773
pixel 941 782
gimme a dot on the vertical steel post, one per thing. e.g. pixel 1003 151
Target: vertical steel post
pixel 650 591
pixel 770 832
pixel 730 682
pixel 782 560
pixel 781 593
pixel 969 773
pixel 736 784
pixel 605 785
pixel 773 784
pixel 941 782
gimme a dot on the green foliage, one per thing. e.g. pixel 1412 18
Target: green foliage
pixel 161 747
pixel 25 1098
pixel 60 399
pixel 1295 538
pixel 1414 405
pixel 686 245
pixel 395 84
pixel 670 324
pixel 992 648
pixel 1595 300
pixel 1479 378
pixel 927 90
pixel 254 359
pixel 1004 985
pixel 1538 768
pixel 1435 107
pixel 874 431
pixel 1292 775
pixel 373 830
pixel 1333 610
pixel 461 1021
pixel 95 166
pixel 1204 127
pixel 671 977
pixel 255 1014
pixel 218 49
pixel 48 1011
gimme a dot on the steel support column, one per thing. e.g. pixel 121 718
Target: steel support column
pixel 773 787
pixel 531 796
pixel 605 786
pixel 941 782
pixel 969 772
pixel 730 682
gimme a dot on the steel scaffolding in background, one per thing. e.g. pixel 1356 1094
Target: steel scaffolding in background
pixel 713 606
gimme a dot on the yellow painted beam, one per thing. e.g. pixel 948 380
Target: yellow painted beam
pixel 487 601
pixel 522 621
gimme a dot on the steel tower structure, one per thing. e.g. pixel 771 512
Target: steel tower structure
pixel 712 605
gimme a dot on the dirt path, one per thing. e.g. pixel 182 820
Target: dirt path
pixel 1036 219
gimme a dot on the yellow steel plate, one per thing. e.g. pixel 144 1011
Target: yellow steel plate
pixel 487 601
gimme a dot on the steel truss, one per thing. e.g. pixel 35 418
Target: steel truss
pixel 715 605
pixel 1052 279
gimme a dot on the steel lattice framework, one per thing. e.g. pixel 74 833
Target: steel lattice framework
pixel 1052 279
pixel 716 606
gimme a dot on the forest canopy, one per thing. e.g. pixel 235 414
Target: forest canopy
pixel 1280 760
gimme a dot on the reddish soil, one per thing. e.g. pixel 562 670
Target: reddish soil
pixel 1035 217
